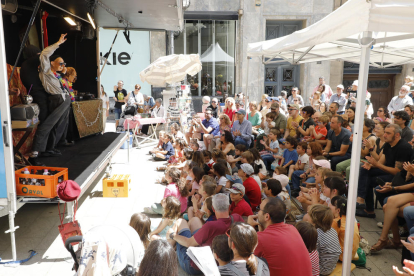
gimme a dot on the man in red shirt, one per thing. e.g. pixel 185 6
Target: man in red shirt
pixel 194 233
pixel 238 204
pixel 251 187
pixel 279 243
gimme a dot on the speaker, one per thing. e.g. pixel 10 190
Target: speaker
pixel 88 31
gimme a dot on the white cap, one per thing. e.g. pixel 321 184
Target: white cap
pixel 340 86
pixel 355 83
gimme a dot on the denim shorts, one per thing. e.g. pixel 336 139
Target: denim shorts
pixel 183 258
pixel 117 112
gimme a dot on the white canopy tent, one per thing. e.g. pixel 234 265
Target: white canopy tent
pixel 377 33
pixel 216 53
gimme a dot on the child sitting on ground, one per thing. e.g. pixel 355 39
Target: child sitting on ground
pixel 280 174
pixel 235 161
pixel 238 204
pixel 279 155
pixel 170 219
pixel 207 159
pixel 207 189
pixel 207 210
pixel 319 131
pixel 194 145
pixel 198 158
pixel 196 174
pixel 271 147
pixel 175 187
pixel 328 243
pixel 219 170
pixel 167 150
pixel 303 159
pixel 290 155
pixel 338 208
pixel 310 237
pixel 221 251
pixel 160 142
pixel 273 188
pixel 267 125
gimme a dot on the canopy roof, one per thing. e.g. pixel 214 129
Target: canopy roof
pixel 156 14
pixel 217 54
pixel 336 36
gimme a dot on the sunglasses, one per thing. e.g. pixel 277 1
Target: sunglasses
pixel 380 110
pixel 213 102
pixel 290 109
pixel 273 109
pixel 62 63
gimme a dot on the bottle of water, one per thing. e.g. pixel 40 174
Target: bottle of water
pixel 46 172
pixel 26 171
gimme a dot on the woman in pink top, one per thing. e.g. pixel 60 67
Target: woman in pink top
pixel 174 188
pixel 230 109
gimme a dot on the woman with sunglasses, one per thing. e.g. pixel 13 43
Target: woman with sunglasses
pixel 383 115
pixel 302 128
pixel 224 125
pixel 136 99
pixel 226 143
pixel 230 109
pixel 242 240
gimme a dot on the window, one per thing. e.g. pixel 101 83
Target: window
pixel 214 41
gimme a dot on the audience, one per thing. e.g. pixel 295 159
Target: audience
pixel 310 238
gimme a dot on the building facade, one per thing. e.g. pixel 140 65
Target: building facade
pixel 219 31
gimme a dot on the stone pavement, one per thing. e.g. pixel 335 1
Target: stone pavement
pixel 39 222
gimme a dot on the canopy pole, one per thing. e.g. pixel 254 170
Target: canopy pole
pixel 366 43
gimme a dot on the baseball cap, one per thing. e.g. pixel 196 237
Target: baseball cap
pixel 341 86
pixel 234 178
pixel 322 163
pixel 269 99
pixel 241 111
pixel 247 168
pixel 237 189
pixel 282 141
pixel 294 105
pixel 274 106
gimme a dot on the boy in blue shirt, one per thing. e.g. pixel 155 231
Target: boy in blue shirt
pixel 290 155
pixel 167 150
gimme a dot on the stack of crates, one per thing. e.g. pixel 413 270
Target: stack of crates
pixel 38 185
pixel 116 186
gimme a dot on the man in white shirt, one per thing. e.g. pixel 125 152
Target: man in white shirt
pixel 157 112
pixel 339 98
pixel 295 95
pixel 399 102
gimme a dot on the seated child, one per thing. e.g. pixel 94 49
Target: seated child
pixel 207 210
pixel 167 150
pixel 273 188
pixel 266 126
pixel 309 196
pixel 170 219
pixel 319 131
pixel 194 145
pixel 303 159
pixel 338 207
pixel 160 142
pixel 142 224
pixel 207 189
pixel 207 159
pixel 290 155
pixel 196 174
pixel 271 147
pixel 221 251
pixel 238 204
pixel 175 187
pixel 279 155
pixel 328 243
pixel 310 237
pixel 219 170
pixel 235 161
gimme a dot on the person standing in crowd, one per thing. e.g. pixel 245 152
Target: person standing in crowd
pixel 149 103
pixel 328 90
pixel 295 95
pixel 120 95
pixel 215 108
pixel 283 258
pixel 195 233
pixel 58 102
pixel 395 152
pixel 398 103
pixel 105 106
pixel 338 146
pixel 135 98
pixel 293 117
pixel 402 119
pixel 340 99
pixel 242 129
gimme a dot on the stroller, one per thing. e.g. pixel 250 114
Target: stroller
pixel 122 245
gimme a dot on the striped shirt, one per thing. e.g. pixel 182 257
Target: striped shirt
pixel 51 84
pixel 314 257
pixel 329 250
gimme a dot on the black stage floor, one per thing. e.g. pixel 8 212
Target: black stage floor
pixel 87 153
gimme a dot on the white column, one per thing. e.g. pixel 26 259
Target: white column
pixel 356 151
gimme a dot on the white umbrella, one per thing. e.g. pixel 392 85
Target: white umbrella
pixel 171 69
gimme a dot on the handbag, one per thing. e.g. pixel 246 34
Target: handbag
pixel 130 110
pixel 69 229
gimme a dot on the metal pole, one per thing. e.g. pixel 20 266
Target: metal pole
pixel 98 62
pixel 171 38
pixel 366 43
pixel 247 82
pixel 26 36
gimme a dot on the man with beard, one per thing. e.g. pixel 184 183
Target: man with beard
pixel 396 151
pixel 398 103
pixel 279 243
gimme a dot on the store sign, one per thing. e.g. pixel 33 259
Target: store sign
pixel 126 61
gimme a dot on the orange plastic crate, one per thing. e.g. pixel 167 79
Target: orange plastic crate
pixel 117 186
pixel 48 190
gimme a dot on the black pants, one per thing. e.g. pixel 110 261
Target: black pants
pixel 47 133
pixel 41 99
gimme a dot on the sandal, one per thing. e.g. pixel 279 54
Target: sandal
pixel 381 244
pixel 393 245
pixel 163 168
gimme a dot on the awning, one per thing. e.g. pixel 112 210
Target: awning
pixel 336 36
pixel 217 54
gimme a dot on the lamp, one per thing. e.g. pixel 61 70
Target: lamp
pixel 126 34
pixel 70 21
pixel 91 20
